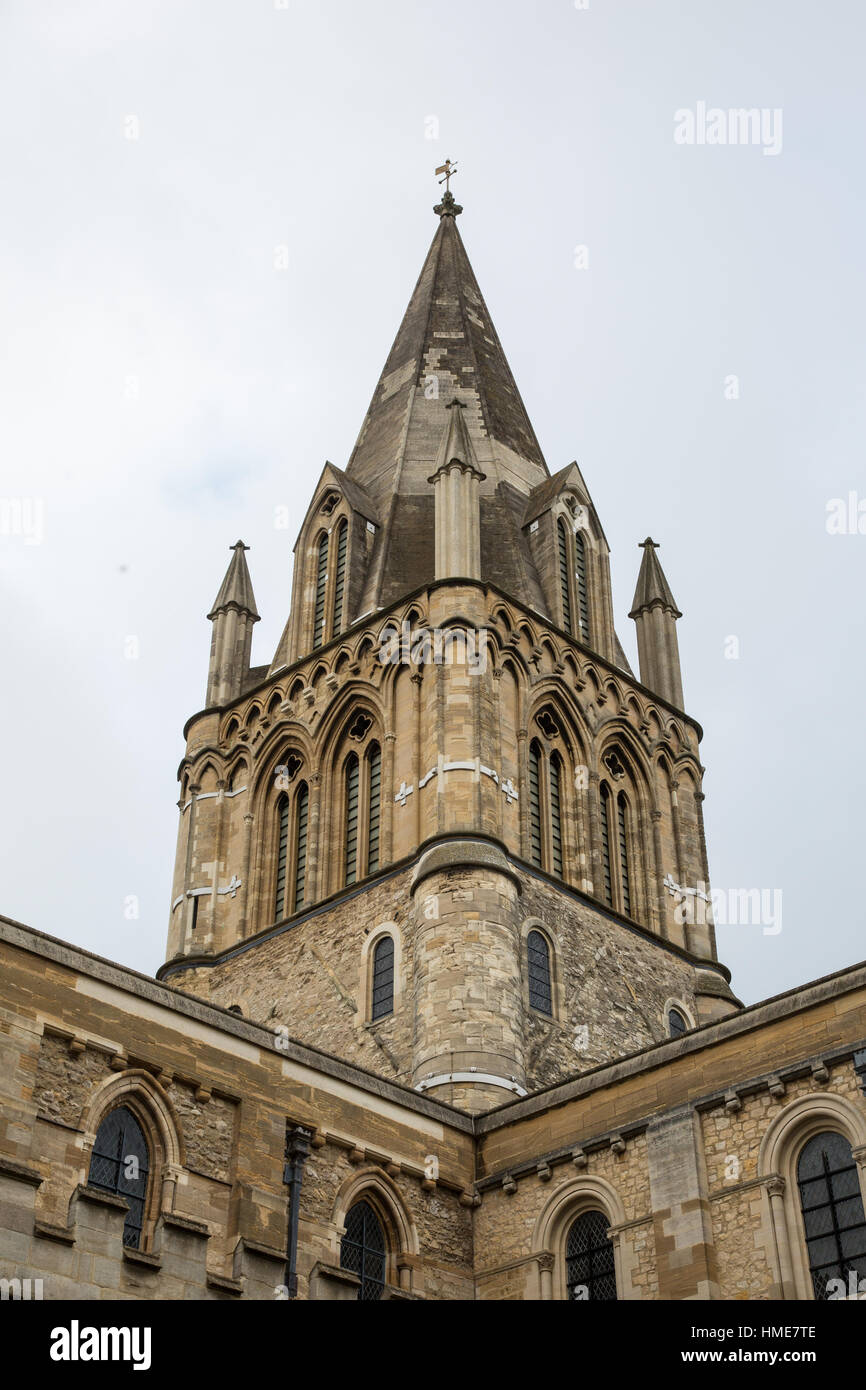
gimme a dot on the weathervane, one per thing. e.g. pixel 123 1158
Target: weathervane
pixel 448 207
pixel 449 170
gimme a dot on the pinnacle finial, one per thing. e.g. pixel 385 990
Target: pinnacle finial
pixel 449 207
pixel 649 544
pixel 239 545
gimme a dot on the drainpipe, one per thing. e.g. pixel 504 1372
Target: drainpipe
pixel 297 1153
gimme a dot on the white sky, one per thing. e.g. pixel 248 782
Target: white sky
pixel 153 260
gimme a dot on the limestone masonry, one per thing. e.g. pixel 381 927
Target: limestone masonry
pixel 442 1015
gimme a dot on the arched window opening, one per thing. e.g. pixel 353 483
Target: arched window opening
pixel 120 1164
pixel 677 1023
pixel 624 876
pixel 564 585
pixel 363 1250
pixel 555 815
pixel 383 979
pixel 535 804
pixel 374 759
pixel 282 857
pixel 340 578
pixel 302 813
pixel 582 590
pixel 605 844
pixel 352 795
pixel 832 1208
pixel 321 591
pixel 590 1266
pixel 538 959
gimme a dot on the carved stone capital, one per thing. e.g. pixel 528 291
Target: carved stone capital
pixel 775 1186
pixel 546 1261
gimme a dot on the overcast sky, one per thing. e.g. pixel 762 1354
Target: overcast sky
pixel 166 386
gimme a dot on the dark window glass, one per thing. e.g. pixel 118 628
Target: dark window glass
pixel 363 1250
pixel 677 1024
pixel 383 978
pixel 832 1208
pixel 590 1269
pixel 119 1164
pixel 538 953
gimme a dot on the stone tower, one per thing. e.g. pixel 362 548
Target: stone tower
pixel 447 834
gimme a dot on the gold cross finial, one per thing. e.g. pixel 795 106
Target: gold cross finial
pixel 449 170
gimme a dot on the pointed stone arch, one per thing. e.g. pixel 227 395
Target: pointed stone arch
pixel 782 1228
pixel 371 1184
pixel 549 1237
pixel 145 1098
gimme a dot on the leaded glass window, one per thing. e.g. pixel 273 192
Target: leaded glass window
pixel 833 1215
pixel 363 1250
pixel 677 1023
pixel 120 1164
pixel 383 978
pixel 590 1268
pixel 538 958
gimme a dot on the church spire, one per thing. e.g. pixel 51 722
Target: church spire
pixel 655 613
pixel 446 347
pixel 233 616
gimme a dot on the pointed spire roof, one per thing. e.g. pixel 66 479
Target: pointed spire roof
pixel 237 587
pixel 446 347
pixel 652 587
